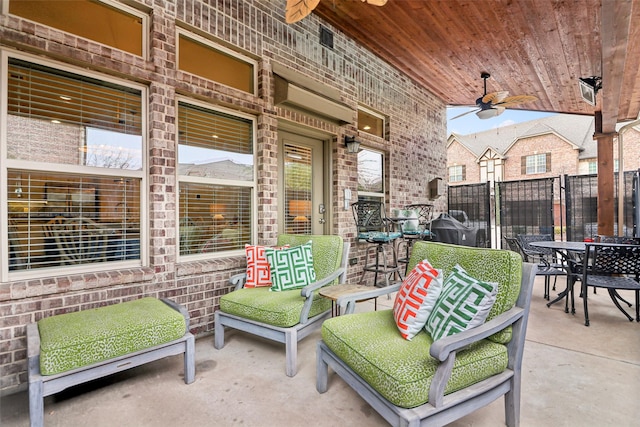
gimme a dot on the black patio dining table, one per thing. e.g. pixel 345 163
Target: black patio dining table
pixel 569 252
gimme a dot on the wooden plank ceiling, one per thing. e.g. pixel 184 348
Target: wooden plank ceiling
pixel 530 47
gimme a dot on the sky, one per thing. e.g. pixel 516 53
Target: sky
pixel 470 123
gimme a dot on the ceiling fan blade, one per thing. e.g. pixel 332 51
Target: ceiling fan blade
pixel 299 9
pixel 495 97
pixel 464 114
pixel 376 2
pixel 515 100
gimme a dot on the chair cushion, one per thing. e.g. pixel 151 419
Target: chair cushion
pixel 402 370
pixel 258 270
pixel 291 268
pixel 73 340
pixel 416 298
pixel 464 303
pixel 274 308
pixel 379 236
pixel 491 265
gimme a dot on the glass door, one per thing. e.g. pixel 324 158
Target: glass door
pixel 302 208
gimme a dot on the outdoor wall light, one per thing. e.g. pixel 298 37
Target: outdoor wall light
pixel 353 145
pixel 589 87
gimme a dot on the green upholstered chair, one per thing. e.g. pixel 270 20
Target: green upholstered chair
pixel 286 316
pixel 426 382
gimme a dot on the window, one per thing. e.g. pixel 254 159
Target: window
pixel 74 163
pixel 593 167
pixel 105 22
pixel 196 55
pixel 371 122
pixel 457 173
pixel 216 179
pixel 536 163
pixel 370 175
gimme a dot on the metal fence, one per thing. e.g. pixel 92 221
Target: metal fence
pixel 471 205
pixel 565 207
pixel 527 207
pixel 582 205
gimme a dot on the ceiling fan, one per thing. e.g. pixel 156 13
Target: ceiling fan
pixel 299 9
pixel 493 104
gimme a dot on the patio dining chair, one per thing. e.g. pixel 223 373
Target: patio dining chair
pixel 611 266
pixel 546 264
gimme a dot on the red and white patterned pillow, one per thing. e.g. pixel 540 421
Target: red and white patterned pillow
pixel 416 298
pixel 258 269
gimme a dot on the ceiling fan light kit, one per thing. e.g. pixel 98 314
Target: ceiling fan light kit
pixel 487 113
pixel 493 104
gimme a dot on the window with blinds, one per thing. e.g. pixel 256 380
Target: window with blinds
pixel 79 201
pixel 59 117
pixel 106 22
pixel 216 180
pixel 370 175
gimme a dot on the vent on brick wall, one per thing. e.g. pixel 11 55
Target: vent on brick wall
pixel 326 37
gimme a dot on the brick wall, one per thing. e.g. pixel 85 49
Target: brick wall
pixel 415 149
pixel 458 154
pixel 564 157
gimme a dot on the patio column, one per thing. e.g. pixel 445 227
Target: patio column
pixel 606 196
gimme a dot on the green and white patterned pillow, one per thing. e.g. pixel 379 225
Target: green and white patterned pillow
pixel 291 268
pixel 464 303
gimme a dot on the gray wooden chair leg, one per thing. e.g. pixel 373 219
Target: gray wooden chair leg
pixel 218 333
pixel 291 351
pixel 36 403
pixel 190 360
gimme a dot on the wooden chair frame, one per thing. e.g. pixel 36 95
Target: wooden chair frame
pixel 288 336
pixel 443 409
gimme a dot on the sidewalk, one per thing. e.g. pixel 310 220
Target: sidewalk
pixel 572 376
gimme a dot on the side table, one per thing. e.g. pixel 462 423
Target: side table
pixel 336 291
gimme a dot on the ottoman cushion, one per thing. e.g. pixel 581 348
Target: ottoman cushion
pixel 73 340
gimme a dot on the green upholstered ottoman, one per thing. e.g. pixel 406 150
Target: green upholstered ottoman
pixel 74 348
pixel 78 339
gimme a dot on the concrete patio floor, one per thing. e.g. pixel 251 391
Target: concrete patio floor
pixel 572 376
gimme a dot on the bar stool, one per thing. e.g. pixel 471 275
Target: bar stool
pixel 415 224
pixel 373 227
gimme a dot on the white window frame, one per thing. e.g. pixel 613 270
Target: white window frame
pixel 5 275
pixel 537 164
pixel 213 181
pixel 376 195
pixel 458 173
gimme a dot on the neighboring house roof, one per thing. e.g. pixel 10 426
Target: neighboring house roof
pixel 574 129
